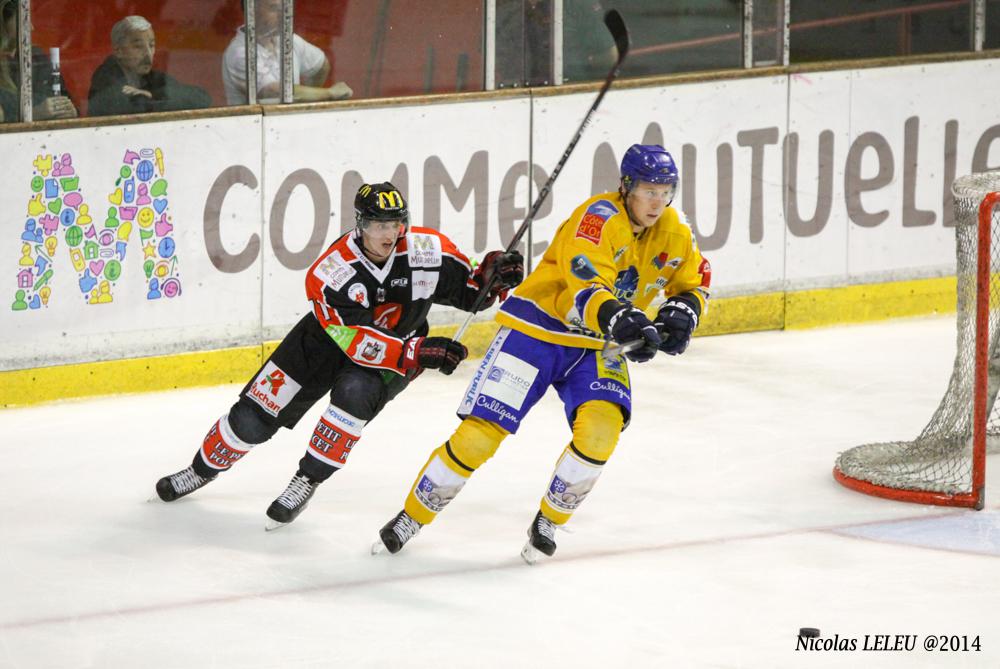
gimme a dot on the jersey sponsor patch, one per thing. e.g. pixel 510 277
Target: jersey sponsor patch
pixel 334 271
pixel 627 283
pixel 594 219
pixel 509 380
pixel 358 293
pixel 705 269
pixel 660 282
pixel 613 369
pixel 341 335
pixel 582 268
pixel 371 350
pixel 387 315
pixel 484 366
pixel 424 250
pixel 662 261
pixel 423 284
pixel 273 389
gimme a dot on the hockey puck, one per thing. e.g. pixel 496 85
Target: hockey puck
pixel 809 632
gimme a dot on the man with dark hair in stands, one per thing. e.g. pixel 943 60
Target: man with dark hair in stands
pixel 126 83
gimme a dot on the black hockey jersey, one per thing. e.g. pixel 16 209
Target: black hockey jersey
pixel 369 311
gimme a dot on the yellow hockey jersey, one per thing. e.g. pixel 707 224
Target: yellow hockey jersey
pixel 595 257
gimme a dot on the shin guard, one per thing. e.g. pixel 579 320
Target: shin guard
pixel 450 467
pixel 595 434
pixel 334 436
pixel 221 448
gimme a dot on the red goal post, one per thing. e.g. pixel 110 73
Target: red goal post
pixel 946 463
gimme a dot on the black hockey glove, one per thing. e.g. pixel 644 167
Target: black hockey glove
pixel 508 268
pixel 677 319
pixel 626 324
pixel 438 353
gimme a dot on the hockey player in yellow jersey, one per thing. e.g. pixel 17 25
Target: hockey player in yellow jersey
pixel 607 262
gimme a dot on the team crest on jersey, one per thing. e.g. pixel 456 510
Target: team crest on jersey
pixel 582 268
pixel 594 219
pixel 273 389
pixel 358 293
pixel 627 283
pixel 371 350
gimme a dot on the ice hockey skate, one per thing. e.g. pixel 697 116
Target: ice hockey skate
pixel 396 533
pixel 541 539
pixel 180 484
pixel 290 503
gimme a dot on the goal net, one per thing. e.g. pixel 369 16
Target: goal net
pixel 946 463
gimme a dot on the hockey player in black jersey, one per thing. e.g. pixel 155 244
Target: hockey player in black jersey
pixel 364 341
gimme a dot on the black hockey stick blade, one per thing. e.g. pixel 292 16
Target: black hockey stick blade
pixel 616 25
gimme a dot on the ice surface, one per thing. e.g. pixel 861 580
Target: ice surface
pixel 715 533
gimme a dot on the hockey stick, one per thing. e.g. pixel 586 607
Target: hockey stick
pixel 613 350
pixel 616 25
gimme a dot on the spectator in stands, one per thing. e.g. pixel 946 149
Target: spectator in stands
pixel 46 104
pixel 126 83
pixel 309 64
pixel 524 42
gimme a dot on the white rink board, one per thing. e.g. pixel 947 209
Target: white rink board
pixel 818 102
pixel 211 309
pixel 254 199
pixel 700 115
pixel 882 101
pixel 478 145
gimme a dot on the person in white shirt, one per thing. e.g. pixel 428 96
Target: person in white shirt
pixel 310 66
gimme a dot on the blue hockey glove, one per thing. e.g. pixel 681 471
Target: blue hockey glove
pixel 624 323
pixel 677 319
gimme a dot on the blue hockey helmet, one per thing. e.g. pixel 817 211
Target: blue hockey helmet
pixel 647 162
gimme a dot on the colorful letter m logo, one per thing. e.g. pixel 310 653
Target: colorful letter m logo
pixel 57 214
